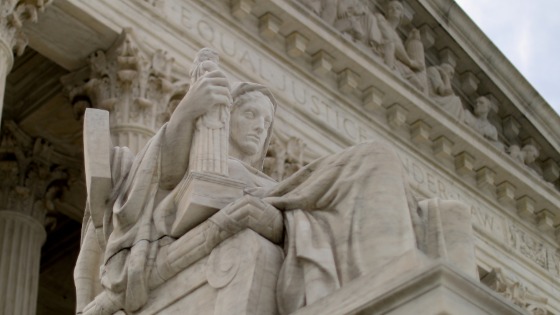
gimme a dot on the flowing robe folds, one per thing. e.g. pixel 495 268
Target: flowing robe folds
pixel 345 215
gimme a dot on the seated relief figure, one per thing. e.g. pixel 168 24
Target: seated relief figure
pixel 407 58
pixel 339 217
pixel 479 121
pixel 440 89
pixel 356 20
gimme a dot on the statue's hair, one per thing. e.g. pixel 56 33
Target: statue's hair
pixel 248 96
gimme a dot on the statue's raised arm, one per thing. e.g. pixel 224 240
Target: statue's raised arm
pixel 208 96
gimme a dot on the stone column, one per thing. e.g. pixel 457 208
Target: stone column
pixel 22 237
pixel 29 183
pixel 13 13
pixel 134 86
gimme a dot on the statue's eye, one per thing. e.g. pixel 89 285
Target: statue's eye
pixel 249 115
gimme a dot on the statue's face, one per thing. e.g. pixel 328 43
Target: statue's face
pixel 249 125
pixel 482 106
pixel 449 70
pixel 395 10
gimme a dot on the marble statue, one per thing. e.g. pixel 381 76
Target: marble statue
pixel 479 121
pixel 339 217
pixel 440 89
pixel 408 57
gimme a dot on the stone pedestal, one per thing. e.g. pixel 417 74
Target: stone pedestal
pixel 436 288
pixel 21 238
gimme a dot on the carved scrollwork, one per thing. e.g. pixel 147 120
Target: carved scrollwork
pixel 222 265
pixel 515 291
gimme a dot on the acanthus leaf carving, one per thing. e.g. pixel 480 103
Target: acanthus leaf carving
pixel 13 16
pixel 135 86
pixel 32 181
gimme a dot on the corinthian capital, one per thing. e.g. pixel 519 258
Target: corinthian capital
pixel 13 13
pixel 136 86
pixel 30 178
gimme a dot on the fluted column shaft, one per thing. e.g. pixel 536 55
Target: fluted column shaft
pixel 21 238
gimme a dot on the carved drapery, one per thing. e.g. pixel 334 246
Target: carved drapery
pixel 13 14
pixel 30 182
pixel 137 88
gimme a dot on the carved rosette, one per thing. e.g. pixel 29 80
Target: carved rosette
pixel 135 87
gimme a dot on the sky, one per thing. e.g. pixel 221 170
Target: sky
pixel 523 30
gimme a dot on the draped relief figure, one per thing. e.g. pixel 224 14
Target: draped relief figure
pixel 440 89
pixel 406 58
pixel 479 121
pixel 355 19
pixel 339 217
pixel 326 9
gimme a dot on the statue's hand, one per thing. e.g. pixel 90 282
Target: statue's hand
pixel 209 90
pixel 252 213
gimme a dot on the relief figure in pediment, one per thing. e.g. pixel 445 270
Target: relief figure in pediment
pixel 355 19
pixel 480 122
pixel 407 57
pixel 440 89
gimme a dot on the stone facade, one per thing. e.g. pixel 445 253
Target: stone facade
pixel 416 73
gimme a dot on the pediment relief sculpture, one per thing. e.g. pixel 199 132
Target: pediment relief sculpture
pixel 516 292
pixel 155 225
pixel 440 89
pixel 284 158
pixel 479 121
pixel 381 27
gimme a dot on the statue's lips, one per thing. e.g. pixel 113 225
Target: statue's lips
pixel 255 138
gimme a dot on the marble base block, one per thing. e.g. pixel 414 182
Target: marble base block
pixel 200 196
pixel 436 288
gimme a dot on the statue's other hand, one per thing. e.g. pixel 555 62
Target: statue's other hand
pixel 253 213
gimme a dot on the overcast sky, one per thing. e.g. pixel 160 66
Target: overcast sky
pixel 524 31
